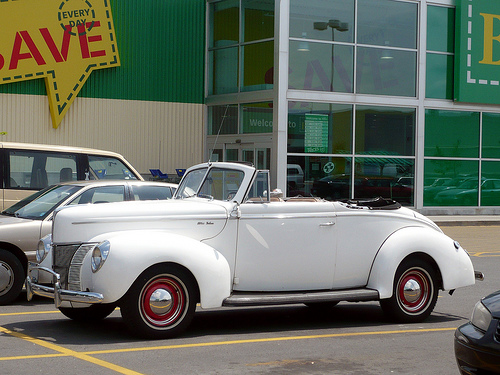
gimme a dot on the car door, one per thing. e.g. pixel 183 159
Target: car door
pixel 285 246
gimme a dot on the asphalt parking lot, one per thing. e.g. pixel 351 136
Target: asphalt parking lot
pixel 348 339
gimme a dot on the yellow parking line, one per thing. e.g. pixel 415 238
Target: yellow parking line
pixel 30 313
pixel 67 352
pixel 85 355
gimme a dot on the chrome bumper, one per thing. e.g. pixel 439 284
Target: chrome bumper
pixel 478 275
pixel 58 294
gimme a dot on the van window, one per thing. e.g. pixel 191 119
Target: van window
pixel 37 170
pixel 108 168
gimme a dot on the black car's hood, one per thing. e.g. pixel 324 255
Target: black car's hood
pixel 492 303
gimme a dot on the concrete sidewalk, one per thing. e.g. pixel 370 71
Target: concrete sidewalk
pixel 465 220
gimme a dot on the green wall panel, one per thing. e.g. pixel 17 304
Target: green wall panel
pixel 161 46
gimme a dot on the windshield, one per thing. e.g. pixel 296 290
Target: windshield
pixel 191 183
pixel 38 206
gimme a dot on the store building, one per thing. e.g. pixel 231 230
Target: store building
pixel 339 98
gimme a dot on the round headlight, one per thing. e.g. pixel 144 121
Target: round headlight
pixel 481 317
pixel 43 248
pixel 99 255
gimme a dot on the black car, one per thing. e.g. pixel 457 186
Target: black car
pixel 477 343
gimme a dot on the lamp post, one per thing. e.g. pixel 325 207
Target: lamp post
pixel 334 25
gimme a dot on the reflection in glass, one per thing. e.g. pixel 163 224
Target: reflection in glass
pixel 440 29
pixel 461 130
pixel 387 22
pixel 324 67
pixel 320 176
pixel 491 135
pixel 451 182
pixel 385 177
pixel 258 62
pixel 439 77
pixel 319 128
pixel 378 74
pixel 385 131
pixel 306 14
pixel 490 186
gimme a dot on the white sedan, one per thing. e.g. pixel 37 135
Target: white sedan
pixel 224 240
pixel 23 224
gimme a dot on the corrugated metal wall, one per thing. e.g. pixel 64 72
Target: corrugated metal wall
pixel 149 134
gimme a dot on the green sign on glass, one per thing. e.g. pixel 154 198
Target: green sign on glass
pixel 316 134
pixel 477 51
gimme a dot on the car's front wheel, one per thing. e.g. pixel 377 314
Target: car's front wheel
pixel 161 302
pixel 11 277
pixel 415 292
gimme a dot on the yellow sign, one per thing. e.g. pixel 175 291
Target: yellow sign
pixel 62 41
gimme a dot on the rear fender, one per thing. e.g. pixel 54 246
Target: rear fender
pixel 453 264
pixel 131 253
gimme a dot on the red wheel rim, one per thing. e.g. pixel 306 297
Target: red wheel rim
pixel 414 290
pixel 163 301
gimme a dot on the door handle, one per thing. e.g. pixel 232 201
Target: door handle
pixel 329 224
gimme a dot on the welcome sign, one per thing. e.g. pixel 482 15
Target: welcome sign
pixel 477 51
pixel 62 41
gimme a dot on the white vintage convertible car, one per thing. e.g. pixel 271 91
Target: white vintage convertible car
pixel 225 241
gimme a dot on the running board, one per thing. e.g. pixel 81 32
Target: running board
pixel 267 298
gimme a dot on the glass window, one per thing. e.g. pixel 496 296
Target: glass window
pixel 330 20
pixel 258 72
pixel 385 177
pixel 385 131
pixel 225 23
pixel 387 23
pixel 221 184
pixel 439 78
pixel 101 194
pixel 257 118
pixel 440 29
pixel 37 170
pixel 386 72
pixel 108 168
pixel 223 119
pixel 490 187
pixel 258 17
pixel 491 135
pixel 321 67
pixel 451 182
pixel 319 176
pixel 223 74
pixel 259 190
pixel 451 133
pixel 146 192
pixel 319 128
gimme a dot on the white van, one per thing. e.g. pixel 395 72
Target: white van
pixel 27 168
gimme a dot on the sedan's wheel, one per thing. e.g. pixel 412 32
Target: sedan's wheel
pixel 161 302
pixel 11 277
pixel 415 292
pixel 88 314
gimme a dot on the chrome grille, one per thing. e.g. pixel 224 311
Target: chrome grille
pixel 67 262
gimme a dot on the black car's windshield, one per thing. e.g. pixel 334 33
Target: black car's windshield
pixel 42 203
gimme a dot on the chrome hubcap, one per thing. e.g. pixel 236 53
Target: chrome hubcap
pixel 6 278
pixel 161 302
pixel 412 291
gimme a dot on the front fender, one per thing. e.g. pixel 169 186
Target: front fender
pixel 133 252
pixel 454 265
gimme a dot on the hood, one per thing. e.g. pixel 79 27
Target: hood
pixel 196 218
pixel 492 303
pixel 8 220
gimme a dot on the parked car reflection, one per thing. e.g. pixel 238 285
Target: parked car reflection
pixel 24 223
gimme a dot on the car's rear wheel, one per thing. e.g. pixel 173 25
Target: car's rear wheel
pixel 11 277
pixel 415 292
pixel 161 302
pixel 88 314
